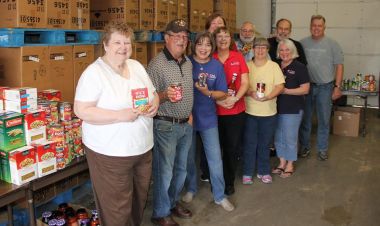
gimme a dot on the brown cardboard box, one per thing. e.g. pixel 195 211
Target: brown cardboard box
pixel 195 16
pixel 61 70
pixel 346 121
pixel 58 14
pixel 22 13
pixel 140 53
pixel 173 10
pixel 161 14
pixel 102 12
pixel 25 66
pixel 80 14
pixel 183 10
pixel 98 51
pixel 154 48
pixel 146 15
pixel 83 55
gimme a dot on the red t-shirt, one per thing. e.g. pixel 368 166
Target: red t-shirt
pixel 235 63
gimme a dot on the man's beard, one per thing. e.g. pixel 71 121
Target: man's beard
pixel 247 40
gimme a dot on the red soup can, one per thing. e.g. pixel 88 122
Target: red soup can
pixel 178 91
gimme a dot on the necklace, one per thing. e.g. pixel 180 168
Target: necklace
pixel 201 63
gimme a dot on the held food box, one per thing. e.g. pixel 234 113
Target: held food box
pixel 35 127
pixel 19 166
pixel 12 133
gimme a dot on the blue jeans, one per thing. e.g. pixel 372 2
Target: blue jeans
pixel 286 137
pixel 258 135
pixel 210 139
pixel 172 143
pixel 319 97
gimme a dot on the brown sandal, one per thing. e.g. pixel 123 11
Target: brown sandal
pixel 278 170
pixel 286 174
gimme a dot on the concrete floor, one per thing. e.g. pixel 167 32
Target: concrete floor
pixel 344 190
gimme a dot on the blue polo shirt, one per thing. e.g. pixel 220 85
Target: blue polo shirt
pixel 204 108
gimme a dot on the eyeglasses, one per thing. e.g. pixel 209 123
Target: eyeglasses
pixel 179 37
pixel 223 37
pixel 260 47
pixel 246 31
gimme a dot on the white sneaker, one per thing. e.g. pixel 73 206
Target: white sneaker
pixel 188 197
pixel 227 205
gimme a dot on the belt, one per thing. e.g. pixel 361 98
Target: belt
pixel 321 84
pixel 171 119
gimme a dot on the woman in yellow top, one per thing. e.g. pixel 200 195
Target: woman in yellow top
pixel 266 82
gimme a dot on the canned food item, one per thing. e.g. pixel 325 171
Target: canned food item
pixel 260 89
pixel 65 111
pixel 178 91
pixel 55 133
pixel 54 114
pixel 77 131
pixel 202 79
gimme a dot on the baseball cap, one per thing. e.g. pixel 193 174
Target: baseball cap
pixel 176 26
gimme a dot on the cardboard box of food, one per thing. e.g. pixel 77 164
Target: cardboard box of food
pixel 58 14
pixel 161 14
pixel 46 158
pixel 35 127
pixel 12 134
pixel 61 71
pixel 22 13
pixel 146 15
pixel 20 94
pixel 22 106
pixel 25 67
pixel 19 166
pixel 183 10
pixel 83 56
pixel 103 12
pixel 80 14
pixel 140 53
pixel 346 121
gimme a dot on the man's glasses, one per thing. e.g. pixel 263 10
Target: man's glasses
pixel 246 31
pixel 179 37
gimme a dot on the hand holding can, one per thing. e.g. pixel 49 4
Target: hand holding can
pixel 260 89
pixel 176 92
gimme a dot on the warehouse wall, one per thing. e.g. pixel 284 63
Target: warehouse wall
pixel 355 24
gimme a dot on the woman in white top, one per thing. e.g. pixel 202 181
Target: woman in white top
pixel 116 101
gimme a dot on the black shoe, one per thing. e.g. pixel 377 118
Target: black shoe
pixel 304 153
pixel 230 189
pixel 322 156
pixel 205 178
pixel 272 151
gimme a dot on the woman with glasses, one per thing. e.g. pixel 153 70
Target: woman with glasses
pixel 290 105
pixel 231 110
pixel 266 82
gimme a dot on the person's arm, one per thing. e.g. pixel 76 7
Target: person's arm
pixel 302 90
pixel 214 94
pixel 337 93
pixel 88 112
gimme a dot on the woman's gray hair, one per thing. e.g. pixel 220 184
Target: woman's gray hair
pixel 261 42
pixel 290 44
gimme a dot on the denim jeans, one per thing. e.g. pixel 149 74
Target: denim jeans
pixel 172 143
pixel 319 97
pixel 286 137
pixel 210 139
pixel 258 135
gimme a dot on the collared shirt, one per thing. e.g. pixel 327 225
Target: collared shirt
pixel 164 70
pixel 246 50
pixel 235 63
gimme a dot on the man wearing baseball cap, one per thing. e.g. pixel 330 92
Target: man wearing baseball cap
pixel 171 74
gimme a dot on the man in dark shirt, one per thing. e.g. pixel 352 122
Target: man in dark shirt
pixel 283 30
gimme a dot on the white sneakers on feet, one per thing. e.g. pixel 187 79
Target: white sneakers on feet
pixel 227 205
pixel 188 197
